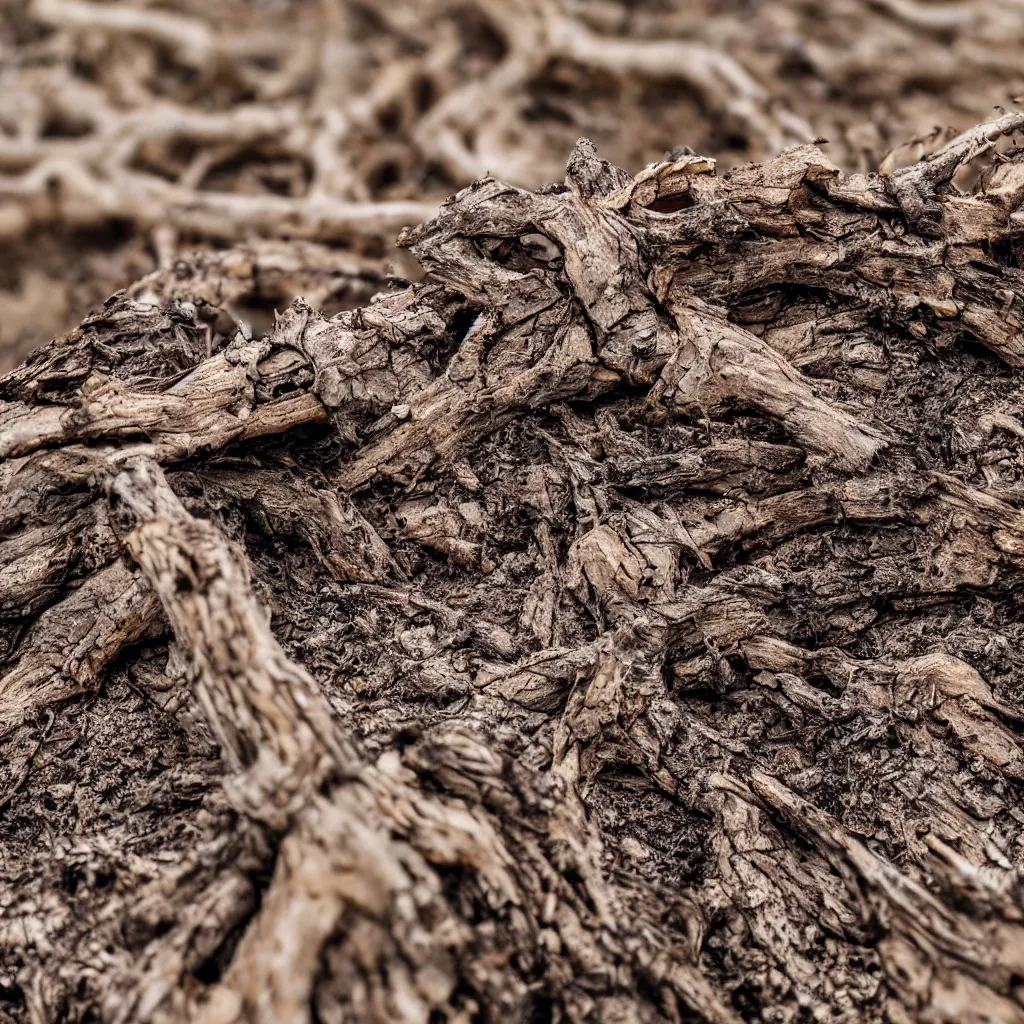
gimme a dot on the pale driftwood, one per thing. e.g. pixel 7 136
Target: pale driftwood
pixel 618 625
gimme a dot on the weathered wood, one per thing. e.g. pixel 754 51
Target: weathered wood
pixel 621 624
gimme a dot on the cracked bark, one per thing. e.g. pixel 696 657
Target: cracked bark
pixel 618 625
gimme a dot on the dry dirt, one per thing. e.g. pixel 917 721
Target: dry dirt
pixel 601 604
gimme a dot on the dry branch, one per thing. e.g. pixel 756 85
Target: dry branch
pixel 618 624
pixel 341 121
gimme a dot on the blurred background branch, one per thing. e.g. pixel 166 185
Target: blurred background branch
pixel 130 132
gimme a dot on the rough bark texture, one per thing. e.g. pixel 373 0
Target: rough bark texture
pixel 619 625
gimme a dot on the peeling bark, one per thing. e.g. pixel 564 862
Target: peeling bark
pixel 620 624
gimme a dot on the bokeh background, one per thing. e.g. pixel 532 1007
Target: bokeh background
pixel 311 131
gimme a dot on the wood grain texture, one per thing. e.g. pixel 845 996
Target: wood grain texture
pixel 620 624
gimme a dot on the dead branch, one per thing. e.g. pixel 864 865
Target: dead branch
pixel 617 624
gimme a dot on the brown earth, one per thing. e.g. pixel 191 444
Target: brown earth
pixel 618 623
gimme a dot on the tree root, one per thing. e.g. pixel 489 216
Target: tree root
pixel 618 624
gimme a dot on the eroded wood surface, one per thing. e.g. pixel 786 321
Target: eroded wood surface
pixel 619 625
